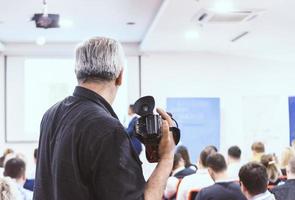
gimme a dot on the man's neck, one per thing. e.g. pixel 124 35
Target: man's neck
pixel 221 176
pixel 106 89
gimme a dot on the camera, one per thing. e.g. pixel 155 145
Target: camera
pixel 148 127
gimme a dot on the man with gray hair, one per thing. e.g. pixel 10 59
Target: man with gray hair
pixel 84 152
pixel 287 190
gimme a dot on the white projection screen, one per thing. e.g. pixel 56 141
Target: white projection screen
pixel 35 84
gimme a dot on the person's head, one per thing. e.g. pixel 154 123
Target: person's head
pixel 178 161
pixel 15 168
pixel 184 154
pixel 100 62
pixel 212 147
pixel 290 169
pixel 5 153
pixel 287 154
pixel 35 155
pixel 258 148
pixel 216 165
pixel 131 109
pixel 234 154
pixel 253 178
pixel 8 190
pixel 272 169
pixel 204 155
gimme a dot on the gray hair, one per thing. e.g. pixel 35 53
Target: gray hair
pixel 99 58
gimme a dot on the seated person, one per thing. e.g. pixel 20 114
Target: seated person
pixel 272 169
pixel 234 162
pixel 15 168
pixel 287 154
pixel 223 189
pixel 258 150
pixel 185 155
pixel 287 190
pixel 254 181
pixel 178 172
pixel 198 180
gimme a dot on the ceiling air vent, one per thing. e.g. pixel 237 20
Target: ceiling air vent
pixel 212 17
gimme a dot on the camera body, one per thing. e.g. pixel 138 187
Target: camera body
pixel 148 127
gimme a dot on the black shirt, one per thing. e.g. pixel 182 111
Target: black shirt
pixel 285 191
pixel 85 154
pixel 221 191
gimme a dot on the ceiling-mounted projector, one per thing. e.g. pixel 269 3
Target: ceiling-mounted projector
pixel 45 20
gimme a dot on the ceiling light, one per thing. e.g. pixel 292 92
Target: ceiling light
pixel 192 35
pixel 41 41
pixel 223 6
pixel 66 23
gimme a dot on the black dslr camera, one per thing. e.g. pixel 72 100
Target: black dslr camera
pixel 148 127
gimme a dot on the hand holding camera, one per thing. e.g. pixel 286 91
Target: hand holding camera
pixel 154 131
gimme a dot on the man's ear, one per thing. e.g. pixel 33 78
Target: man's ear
pixel 119 80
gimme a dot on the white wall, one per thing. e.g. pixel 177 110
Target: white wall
pixel 254 93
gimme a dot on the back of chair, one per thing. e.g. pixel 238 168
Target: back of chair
pixel 192 194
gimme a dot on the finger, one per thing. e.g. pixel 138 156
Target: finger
pixel 165 129
pixel 165 116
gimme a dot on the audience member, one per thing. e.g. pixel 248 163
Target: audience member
pixel 15 168
pixel 185 155
pixel 272 169
pixel 198 180
pixel 178 172
pixel 287 154
pixel 254 180
pixel 131 130
pixel 287 190
pixel 223 189
pixel 258 150
pixel 30 181
pixel 2 158
pixel 8 189
pixel 234 162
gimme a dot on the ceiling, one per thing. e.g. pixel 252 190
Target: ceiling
pixel 89 17
pixel 271 34
pixel 161 25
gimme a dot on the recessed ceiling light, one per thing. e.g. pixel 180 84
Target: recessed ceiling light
pixel 192 35
pixel 130 23
pixel 66 23
pixel 41 40
pixel 223 6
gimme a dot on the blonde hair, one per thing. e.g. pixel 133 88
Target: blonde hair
pixel 272 169
pixel 287 154
pixel 8 190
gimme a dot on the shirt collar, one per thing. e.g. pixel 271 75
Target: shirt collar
pixel 96 98
pixel 262 196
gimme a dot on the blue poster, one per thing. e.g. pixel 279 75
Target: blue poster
pixel 292 118
pixel 199 122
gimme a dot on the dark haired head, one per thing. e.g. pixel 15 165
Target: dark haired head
pixel 212 147
pixel 35 153
pixel 184 154
pixel 216 162
pixel 15 168
pixel 234 152
pixel 176 160
pixel 204 155
pixel 258 147
pixel 254 178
